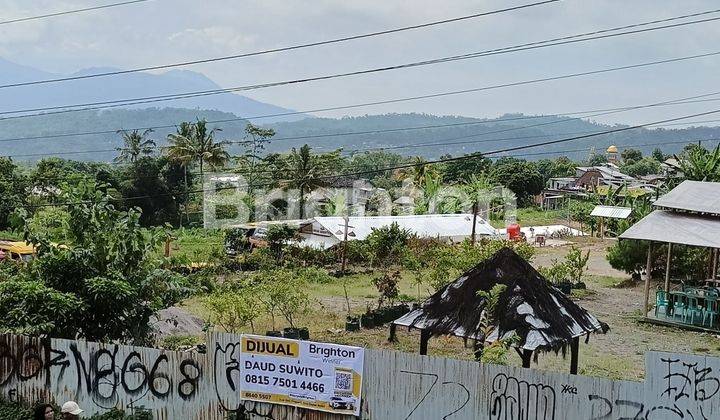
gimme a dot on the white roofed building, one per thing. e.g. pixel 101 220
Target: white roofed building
pixel 325 232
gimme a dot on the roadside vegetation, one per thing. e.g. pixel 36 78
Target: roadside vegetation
pixel 117 244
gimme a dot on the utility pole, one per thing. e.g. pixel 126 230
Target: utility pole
pixel 344 248
pixel 474 222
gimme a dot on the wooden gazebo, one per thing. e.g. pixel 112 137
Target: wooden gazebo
pixel 687 215
pixel 541 316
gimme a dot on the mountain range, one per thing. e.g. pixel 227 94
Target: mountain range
pixel 124 86
pixel 413 134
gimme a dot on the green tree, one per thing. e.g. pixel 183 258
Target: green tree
pixel 103 285
pixel 642 167
pixel 256 138
pixel 658 155
pixel 522 177
pixel 596 159
pixel 13 190
pixel 556 168
pixel 278 237
pixel 630 156
pixel 135 144
pixel 388 243
pixel 305 171
pixel 195 143
pixel 144 185
pixel 457 171
pixel 234 308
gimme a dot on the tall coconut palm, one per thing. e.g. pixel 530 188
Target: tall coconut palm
pixel 303 171
pixel 135 144
pixel 194 143
pixel 179 152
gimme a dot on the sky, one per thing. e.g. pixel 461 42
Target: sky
pixel 166 31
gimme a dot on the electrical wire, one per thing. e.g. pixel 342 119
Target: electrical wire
pixel 409 165
pixel 187 95
pixel 448 141
pixel 68 12
pixel 307 45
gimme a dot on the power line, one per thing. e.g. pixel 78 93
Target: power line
pixel 589 149
pixel 187 95
pixel 594 113
pixel 376 131
pixel 556 153
pixel 68 12
pixel 300 46
pixel 414 164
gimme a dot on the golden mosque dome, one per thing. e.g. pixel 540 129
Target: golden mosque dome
pixel 612 149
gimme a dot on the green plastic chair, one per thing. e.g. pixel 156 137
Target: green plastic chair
pixel 710 310
pixel 692 309
pixel 678 309
pixel 661 301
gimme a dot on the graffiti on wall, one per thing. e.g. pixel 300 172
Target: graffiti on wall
pixel 190 385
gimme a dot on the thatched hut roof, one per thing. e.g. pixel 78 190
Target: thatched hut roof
pixel 541 316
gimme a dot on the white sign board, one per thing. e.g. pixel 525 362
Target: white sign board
pixel 318 376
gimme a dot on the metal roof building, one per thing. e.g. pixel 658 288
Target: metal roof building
pixel 612 212
pixel 325 232
pixel 688 215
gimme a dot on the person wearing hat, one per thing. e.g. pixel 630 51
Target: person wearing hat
pixel 70 410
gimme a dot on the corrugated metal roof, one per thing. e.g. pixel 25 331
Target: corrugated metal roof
pixel 701 197
pixel 677 228
pixel 423 225
pixel 613 212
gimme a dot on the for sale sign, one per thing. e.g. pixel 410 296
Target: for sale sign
pixel 318 376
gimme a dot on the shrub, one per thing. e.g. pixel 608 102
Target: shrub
pixel 387 286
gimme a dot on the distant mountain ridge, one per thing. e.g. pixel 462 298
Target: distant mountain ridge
pixel 445 135
pixel 126 86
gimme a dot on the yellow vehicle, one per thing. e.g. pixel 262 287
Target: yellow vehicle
pixel 16 251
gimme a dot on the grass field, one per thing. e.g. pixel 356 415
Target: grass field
pixel 532 216
pixel 619 354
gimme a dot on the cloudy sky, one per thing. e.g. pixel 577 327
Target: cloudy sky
pixel 164 31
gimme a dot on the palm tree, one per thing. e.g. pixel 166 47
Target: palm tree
pixel 135 144
pixel 303 171
pixel 195 143
pixel 178 151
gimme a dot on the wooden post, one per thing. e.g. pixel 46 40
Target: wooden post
pixel 667 268
pixel 478 347
pixel 526 356
pixel 574 350
pixel 715 264
pixel 167 247
pixel 392 337
pixel 648 275
pixel 474 223
pixel 344 247
pixel 424 338
pixel 602 229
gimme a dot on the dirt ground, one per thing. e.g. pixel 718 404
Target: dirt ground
pixel 619 354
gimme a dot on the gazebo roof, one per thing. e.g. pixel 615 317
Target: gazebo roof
pixel 540 315
pixel 677 228
pixel 692 196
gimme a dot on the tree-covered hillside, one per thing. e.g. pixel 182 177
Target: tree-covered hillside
pixel 398 133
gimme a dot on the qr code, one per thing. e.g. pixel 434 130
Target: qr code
pixel 343 381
